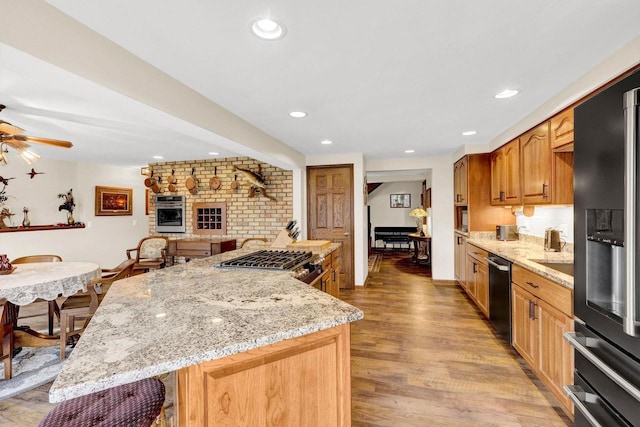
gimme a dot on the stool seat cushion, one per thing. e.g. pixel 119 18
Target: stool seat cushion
pixel 130 405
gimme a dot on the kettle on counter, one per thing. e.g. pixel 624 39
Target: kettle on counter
pixel 552 241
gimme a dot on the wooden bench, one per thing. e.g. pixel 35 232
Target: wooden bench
pixel 394 236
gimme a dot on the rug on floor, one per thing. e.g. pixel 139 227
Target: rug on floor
pixel 374 263
pixel 32 367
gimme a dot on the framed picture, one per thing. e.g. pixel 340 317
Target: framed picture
pixel 400 200
pixel 112 201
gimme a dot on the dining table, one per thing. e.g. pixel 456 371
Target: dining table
pixel 42 280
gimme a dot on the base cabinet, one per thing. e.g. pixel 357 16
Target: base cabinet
pixel 477 277
pixel 303 381
pixel 540 315
pixel 460 258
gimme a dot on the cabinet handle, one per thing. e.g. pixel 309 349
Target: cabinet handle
pixel 475 267
pixel 334 275
pixel 532 285
pixel 530 309
pixel 502 196
pixel 544 191
pixel 457 197
pixel 458 241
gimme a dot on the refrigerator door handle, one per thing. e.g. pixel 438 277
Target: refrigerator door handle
pixel 629 323
pixel 579 396
pixel 581 344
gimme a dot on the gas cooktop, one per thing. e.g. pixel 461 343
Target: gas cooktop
pixel 270 260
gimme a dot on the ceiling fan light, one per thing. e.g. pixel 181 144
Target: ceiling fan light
pixel 28 155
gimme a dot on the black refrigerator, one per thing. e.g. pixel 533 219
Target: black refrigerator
pixel 606 341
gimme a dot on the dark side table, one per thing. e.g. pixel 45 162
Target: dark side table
pixel 421 248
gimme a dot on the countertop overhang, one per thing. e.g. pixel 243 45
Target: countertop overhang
pixel 190 313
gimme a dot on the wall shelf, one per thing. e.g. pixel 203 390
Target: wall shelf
pixel 41 227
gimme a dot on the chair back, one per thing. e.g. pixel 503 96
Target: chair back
pixel 37 258
pixel 104 283
pixel 152 247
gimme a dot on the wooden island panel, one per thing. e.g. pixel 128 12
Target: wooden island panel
pixel 304 381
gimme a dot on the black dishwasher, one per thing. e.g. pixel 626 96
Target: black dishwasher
pixel 500 295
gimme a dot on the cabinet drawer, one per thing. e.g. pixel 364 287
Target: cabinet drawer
pixel 193 253
pixel 198 246
pixel 552 293
pixel 326 264
pixel 477 253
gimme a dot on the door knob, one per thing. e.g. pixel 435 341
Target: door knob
pixel 346 234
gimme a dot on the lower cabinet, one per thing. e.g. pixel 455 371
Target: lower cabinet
pixel 330 281
pixel 460 258
pixel 540 314
pixel 477 277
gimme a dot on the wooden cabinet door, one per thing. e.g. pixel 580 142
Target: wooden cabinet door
pixel 497 177
pixel 536 165
pixel 522 325
pixel 460 258
pixel 330 212
pixel 482 288
pixel 460 178
pixel 512 193
pixel 471 277
pixel 562 129
pixel 555 355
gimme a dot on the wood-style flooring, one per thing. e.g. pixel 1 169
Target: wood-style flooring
pixel 424 356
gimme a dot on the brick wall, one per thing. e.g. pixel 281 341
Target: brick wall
pixel 246 216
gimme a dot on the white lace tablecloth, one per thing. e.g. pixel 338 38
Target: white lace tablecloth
pixel 46 280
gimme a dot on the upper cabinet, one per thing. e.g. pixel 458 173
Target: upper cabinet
pixel 535 149
pixel 562 131
pixel 505 174
pixel 460 180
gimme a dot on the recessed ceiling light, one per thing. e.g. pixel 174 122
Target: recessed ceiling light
pixel 213 153
pixel 298 114
pixel 326 142
pixel 268 29
pixel 158 157
pixel 507 93
pixel 469 132
pixel 409 151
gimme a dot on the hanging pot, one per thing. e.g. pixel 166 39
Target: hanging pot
pixel 234 183
pixel 156 186
pixel 214 183
pixel 192 182
pixel 148 182
pixel 171 179
pixel 172 187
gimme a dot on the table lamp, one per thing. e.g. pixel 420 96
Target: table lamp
pixel 418 214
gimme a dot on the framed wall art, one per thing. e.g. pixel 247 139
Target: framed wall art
pixel 111 201
pixel 400 200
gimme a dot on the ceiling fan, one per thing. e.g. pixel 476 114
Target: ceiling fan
pixel 13 137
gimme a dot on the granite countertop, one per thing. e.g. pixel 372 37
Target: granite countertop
pixel 190 313
pixel 523 253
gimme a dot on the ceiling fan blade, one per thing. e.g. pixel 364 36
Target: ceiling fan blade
pixel 9 129
pixel 14 143
pixel 45 141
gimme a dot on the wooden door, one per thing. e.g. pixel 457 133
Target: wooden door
pixel 497 177
pixel 555 354
pixel 562 129
pixel 512 193
pixel 536 165
pixel 330 212
pixel 522 325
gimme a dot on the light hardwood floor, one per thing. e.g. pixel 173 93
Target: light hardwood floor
pixel 422 356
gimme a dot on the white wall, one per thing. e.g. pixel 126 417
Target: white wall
pixel 558 217
pixel 105 238
pixel 382 215
pixel 441 206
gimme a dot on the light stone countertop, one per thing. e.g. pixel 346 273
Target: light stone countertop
pixel 523 253
pixel 190 313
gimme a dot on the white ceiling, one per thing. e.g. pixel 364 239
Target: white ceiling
pixel 376 77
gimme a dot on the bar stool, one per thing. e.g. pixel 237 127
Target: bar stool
pixel 136 404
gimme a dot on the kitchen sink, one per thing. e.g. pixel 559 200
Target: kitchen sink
pixel 562 267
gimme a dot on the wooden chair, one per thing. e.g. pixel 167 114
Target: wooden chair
pixel 150 254
pixel 54 310
pixel 85 304
pixel 6 339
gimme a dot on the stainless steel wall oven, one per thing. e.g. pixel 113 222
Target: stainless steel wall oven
pixel 170 214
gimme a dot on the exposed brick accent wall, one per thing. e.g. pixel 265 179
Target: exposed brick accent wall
pixel 246 216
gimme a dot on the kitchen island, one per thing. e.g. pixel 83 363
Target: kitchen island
pixel 247 345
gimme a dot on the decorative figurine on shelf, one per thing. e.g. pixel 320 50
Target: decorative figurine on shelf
pixel 25 221
pixel 418 214
pixel 5 213
pixel 68 205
